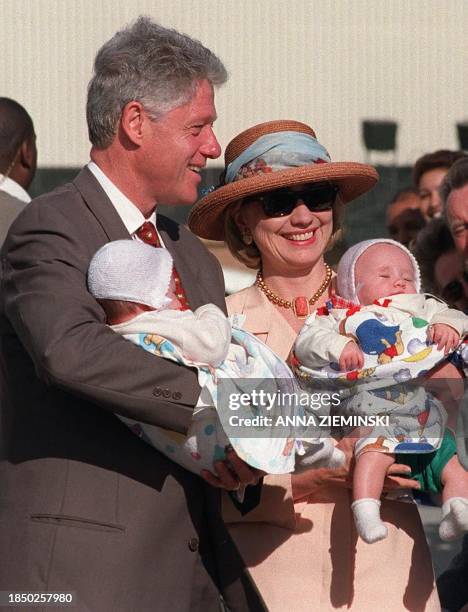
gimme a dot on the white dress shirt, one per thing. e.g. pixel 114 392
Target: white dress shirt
pixel 8 185
pixel 131 216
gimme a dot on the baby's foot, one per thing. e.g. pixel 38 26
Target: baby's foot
pixel 367 519
pixel 455 521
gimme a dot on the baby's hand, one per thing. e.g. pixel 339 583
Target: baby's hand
pixel 444 336
pixel 351 358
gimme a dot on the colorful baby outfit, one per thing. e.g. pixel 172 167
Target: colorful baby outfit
pixel 229 361
pixel 392 334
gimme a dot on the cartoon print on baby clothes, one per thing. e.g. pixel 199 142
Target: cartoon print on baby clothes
pixel 408 444
pixel 393 394
pixel 356 375
pixel 427 418
pixel 161 345
pixel 376 338
pixel 376 446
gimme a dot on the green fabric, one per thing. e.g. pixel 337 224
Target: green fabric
pixel 427 468
pixel 417 322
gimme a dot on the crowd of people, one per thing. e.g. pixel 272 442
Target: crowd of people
pixel 118 483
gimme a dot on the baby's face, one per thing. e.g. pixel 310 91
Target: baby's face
pixel 381 271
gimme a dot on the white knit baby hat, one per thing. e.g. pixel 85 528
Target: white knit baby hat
pixel 346 282
pixel 133 271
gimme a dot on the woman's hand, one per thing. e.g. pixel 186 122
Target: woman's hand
pixel 310 481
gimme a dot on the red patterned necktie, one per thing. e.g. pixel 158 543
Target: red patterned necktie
pixel 147 233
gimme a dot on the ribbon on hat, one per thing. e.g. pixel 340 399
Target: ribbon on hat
pixel 277 151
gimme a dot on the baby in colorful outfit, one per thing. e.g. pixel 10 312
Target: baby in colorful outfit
pixel 383 334
pixel 131 281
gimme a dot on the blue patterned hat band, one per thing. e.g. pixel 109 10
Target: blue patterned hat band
pixel 274 152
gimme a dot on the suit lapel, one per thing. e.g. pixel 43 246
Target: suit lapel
pixel 104 211
pixel 262 318
pixel 100 205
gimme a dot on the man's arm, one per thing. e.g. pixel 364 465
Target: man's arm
pixel 62 327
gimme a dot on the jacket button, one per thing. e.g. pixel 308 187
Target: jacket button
pixel 167 393
pixel 157 391
pixel 176 395
pixel 193 544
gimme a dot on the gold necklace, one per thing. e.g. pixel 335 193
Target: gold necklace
pixel 299 305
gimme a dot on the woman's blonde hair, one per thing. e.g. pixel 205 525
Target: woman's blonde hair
pixel 248 254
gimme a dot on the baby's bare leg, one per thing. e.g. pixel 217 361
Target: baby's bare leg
pixel 455 500
pixel 368 478
pixel 369 474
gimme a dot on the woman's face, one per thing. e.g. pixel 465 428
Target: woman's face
pixel 429 183
pixel 294 242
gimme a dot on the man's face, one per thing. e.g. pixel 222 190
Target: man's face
pixel 457 218
pixel 175 149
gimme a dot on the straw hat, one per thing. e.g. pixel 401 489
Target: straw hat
pixel 269 156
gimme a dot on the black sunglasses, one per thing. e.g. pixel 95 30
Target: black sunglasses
pixel 318 197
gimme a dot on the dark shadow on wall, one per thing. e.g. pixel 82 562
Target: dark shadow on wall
pixel 364 218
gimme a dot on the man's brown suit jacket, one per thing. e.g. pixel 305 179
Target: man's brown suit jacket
pixel 86 506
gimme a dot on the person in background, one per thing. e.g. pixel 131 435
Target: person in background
pixel 404 218
pixel 454 196
pixel 452 584
pixel 451 280
pixel 18 161
pixel 442 271
pixel 428 174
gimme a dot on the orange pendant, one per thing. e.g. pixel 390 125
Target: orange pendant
pixel 300 306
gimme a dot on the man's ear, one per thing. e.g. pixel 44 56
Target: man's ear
pixel 28 153
pixel 132 121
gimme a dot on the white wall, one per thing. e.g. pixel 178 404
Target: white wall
pixel 329 63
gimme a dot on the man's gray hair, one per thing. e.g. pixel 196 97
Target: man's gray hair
pixel 456 178
pixel 157 66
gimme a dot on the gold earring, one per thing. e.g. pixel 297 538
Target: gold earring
pixel 247 238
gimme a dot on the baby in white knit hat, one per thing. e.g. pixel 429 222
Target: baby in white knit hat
pixel 375 336
pixel 132 282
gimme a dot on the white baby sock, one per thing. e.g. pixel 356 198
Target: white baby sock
pixel 455 518
pixel 369 525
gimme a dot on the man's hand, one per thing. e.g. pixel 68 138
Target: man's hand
pixel 232 472
pixel 444 336
pixel 310 481
pixel 351 358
